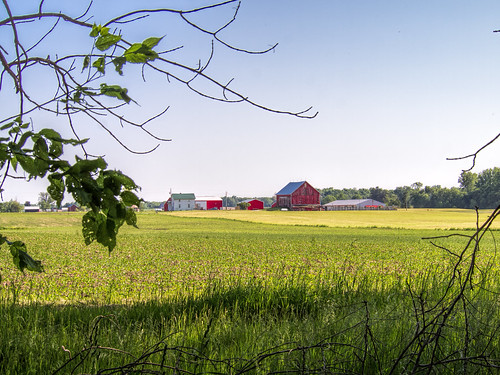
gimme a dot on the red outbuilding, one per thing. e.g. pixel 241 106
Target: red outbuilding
pixel 255 204
pixel 298 196
pixel 208 203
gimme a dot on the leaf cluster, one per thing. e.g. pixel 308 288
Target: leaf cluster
pixel 109 194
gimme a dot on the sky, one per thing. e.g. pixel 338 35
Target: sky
pixel 399 87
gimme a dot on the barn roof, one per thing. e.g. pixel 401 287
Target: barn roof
pixel 354 202
pixel 183 196
pixel 290 188
pixel 251 200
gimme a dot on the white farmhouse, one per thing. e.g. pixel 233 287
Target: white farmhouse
pixel 180 202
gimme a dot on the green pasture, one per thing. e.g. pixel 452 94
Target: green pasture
pixel 179 253
pixel 325 288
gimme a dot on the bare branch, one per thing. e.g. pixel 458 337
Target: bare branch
pixel 474 155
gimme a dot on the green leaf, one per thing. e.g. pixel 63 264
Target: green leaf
pixel 113 184
pixel 104 31
pixel 23 139
pixel 95 30
pixel 140 53
pixel 8 125
pixel 56 188
pixel 14 162
pixel 151 42
pixel 86 166
pixel 118 211
pixel 41 166
pixel 22 259
pixel 90 226
pixel 116 92
pixel 131 218
pixel 86 62
pixel 99 64
pixel 126 181
pixel 50 134
pixel 118 63
pixel 27 164
pixel 129 198
pixel 40 148
pixel 106 41
pixel 55 150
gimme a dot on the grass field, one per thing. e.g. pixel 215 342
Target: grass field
pixel 407 219
pixel 234 285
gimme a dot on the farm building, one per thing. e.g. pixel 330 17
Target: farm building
pixel 208 203
pixel 255 204
pixel 180 202
pixel 31 209
pixel 298 196
pixel 354 204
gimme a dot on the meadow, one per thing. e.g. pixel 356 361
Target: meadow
pixel 253 292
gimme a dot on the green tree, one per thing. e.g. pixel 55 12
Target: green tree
pixel 468 181
pixel 378 194
pixel 404 194
pixel 487 193
pixel 243 205
pixel 11 206
pixel 45 201
pixel 82 84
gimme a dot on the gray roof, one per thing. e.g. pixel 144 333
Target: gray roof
pixel 290 188
pixel 355 202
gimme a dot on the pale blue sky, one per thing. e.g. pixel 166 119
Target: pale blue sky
pixel 399 86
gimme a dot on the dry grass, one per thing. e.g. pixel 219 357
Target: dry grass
pixel 408 219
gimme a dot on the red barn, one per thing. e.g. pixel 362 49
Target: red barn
pixel 255 204
pixel 208 203
pixel 298 196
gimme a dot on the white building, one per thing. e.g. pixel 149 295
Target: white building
pixel 354 204
pixel 180 202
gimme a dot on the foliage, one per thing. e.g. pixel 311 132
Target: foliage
pixel 11 206
pixel 243 205
pixel 145 205
pixel 476 189
pixel 45 201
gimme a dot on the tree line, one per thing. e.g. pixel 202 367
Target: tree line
pixel 475 190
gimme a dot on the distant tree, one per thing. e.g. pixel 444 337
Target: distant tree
pixel 45 201
pixel 391 199
pixel 378 194
pixel 243 205
pixel 11 206
pixel 327 198
pixel 230 201
pixel 487 193
pixel 467 181
pixel 145 205
pixel 268 201
pixel 404 195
